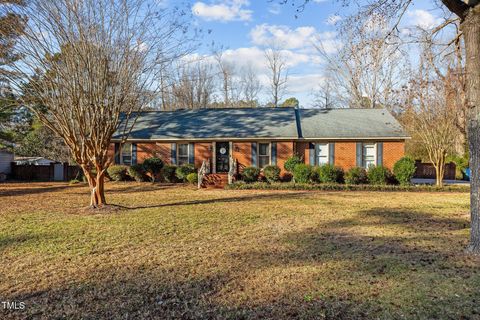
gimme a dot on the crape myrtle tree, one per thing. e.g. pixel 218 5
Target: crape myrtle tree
pixel 93 65
pixel 468 14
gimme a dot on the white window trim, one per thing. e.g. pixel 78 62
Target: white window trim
pixel 374 154
pixel 269 152
pixel 178 152
pixel 121 152
pixel 317 156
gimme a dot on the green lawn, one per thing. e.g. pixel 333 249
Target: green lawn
pixel 183 253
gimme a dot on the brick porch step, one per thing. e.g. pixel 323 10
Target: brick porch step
pixel 215 180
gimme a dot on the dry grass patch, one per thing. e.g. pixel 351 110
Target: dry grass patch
pixel 176 252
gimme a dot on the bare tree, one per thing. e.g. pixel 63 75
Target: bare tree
pixel 250 86
pixel 227 73
pixel 367 70
pixel 325 96
pixel 431 118
pixel 468 13
pixel 277 67
pixel 97 62
pixel 194 86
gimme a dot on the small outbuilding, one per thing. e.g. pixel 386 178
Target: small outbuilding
pixel 35 161
pixel 6 158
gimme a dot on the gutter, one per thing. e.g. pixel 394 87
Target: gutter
pixel 265 139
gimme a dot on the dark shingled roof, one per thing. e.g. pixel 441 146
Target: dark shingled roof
pixel 216 123
pixel 349 123
pixel 268 123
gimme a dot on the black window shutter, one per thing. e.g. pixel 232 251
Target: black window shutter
pixel 173 153
pixel 274 153
pixel 254 154
pixel 191 153
pixel 311 153
pixel 331 153
pixel 134 153
pixel 117 153
pixel 380 154
pixel 359 154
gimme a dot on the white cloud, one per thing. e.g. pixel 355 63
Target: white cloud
pixel 281 36
pixel 226 10
pixel 275 9
pixel 305 83
pixel 302 39
pixel 319 1
pixel 423 19
pixel 333 19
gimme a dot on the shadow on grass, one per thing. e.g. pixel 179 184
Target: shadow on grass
pixel 140 294
pixel 7 241
pixel 269 196
pixel 401 217
pixel 145 187
pixel 36 189
pixel 152 291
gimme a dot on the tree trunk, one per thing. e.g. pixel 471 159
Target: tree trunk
pixel 474 139
pixel 97 188
pixel 439 174
pixel 100 191
pixel 471 32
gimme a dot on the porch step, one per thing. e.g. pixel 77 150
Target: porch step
pixel 215 180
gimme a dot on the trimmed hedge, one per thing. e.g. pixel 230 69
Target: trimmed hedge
pixel 356 175
pixel 343 187
pixel 117 172
pixel 292 162
pixel 192 178
pixel 153 166
pixel 250 174
pixel 379 175
pixel 168 173
pixel 183 171
pixel 404 169
pixel 302 173
pixel 329 174
pixel 137 172
pixel 272 173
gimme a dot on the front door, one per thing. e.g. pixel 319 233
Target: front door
pixel 222 156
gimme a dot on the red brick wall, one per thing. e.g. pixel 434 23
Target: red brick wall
pixel 392 152
pixel 152 149
pixel 301 149
pixel 203 151
pixel 345 154
pixel 242 151
pixel 284 151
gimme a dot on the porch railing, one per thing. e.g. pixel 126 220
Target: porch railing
pixel 203 171
pixel 233 170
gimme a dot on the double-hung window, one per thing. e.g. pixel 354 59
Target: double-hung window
pixel 322 153
pixel 369 156
pixel 126 154
pixel 182 153
pixel 263 154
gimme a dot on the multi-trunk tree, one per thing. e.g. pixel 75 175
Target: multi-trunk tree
pixel 93 65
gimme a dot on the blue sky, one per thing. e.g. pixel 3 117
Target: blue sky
pixel 244 28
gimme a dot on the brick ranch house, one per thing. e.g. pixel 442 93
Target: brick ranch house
pixel 262 136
